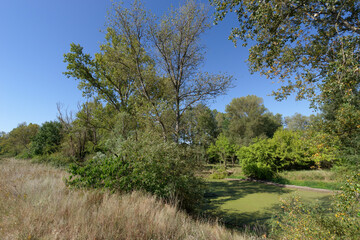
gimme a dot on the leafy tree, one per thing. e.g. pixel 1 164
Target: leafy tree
pixel 338 220
pixel 153 65
pixel 314 41
pixel 223 149
pixel 286 150
pixel 48 138
pixel 297 122
pixel 248 118
pixel 200 126
pixel 18 140
pixel 310 46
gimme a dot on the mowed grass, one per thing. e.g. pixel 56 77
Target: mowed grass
pixel 242 203
pixel 36 204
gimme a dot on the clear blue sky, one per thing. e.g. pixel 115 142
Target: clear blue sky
pixel 35 35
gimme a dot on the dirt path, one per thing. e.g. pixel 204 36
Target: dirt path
pixel 283 185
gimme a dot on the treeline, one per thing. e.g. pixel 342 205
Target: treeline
pixel 147 126
pixel 247 133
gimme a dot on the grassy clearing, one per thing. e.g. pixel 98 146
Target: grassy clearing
pixel 241 203
pixel 324 179
pixel 35 204
pixel 310 178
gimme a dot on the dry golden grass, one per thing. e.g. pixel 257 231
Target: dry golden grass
pixel 36 204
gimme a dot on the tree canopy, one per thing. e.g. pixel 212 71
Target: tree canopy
pixel 311 46
pixel 248 118
pixel 150 64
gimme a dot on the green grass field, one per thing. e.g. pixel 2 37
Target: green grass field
pixel 239 203
pixel 324 179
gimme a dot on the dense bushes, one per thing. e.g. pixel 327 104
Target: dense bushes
pixel 340 220
pixel 152 165
pixel 286 150
pixel 48 139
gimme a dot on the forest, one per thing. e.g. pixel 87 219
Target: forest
pixel 146 126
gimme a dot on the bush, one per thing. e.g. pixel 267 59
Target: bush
pixel 339 221
pixel 219 173
pixel 258 170
pixel 265 157
pixel 48 138
pixel 151 165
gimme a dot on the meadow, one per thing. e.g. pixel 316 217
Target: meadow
pixel 36 204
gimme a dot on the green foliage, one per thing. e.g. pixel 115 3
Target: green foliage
pixel 312 48
pixel 88 132
pixel 222 149
pixel 258 170
pixel 342 121
pixel 322 147
pixel 148 164
pixel 219 173
pixel 297 122
pixel 286 150
pixel 200 126
pixel 340 220
pixel 48 138
pixel 17 142
pixel 162 86
pixel 248 118
pixel 312 44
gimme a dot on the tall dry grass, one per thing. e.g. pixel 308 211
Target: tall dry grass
pixel 36 204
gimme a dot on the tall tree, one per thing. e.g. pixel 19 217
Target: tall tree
pixel 249 118
pixel 159 60
pixel 297 122
pixel 305 42
pixel 48 138
pixel 312 47
pixel 200 126
pixel 18 139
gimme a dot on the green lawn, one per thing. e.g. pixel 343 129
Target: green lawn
pixel 239 203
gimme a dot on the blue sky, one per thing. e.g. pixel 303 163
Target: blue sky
pixel 36 34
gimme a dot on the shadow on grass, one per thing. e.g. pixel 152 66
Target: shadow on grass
pixel 234 203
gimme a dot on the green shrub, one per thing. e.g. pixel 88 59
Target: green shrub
pixel 340 220
pixel 258 170
pixel 152 165
pixel 48 138
pixel 265 157
pixel 219 173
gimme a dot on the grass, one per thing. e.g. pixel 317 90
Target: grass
pixel 36 204
pixel 241 203
pixel 324 179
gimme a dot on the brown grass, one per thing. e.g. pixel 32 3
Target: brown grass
pixel 36 204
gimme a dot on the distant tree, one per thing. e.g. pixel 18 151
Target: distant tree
pixel 223 149
pixel 90 129
pixel 248 118
pixel 151 64
pixel 200 126
pixel 297 122
pixel 18 139
pixel 48 138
